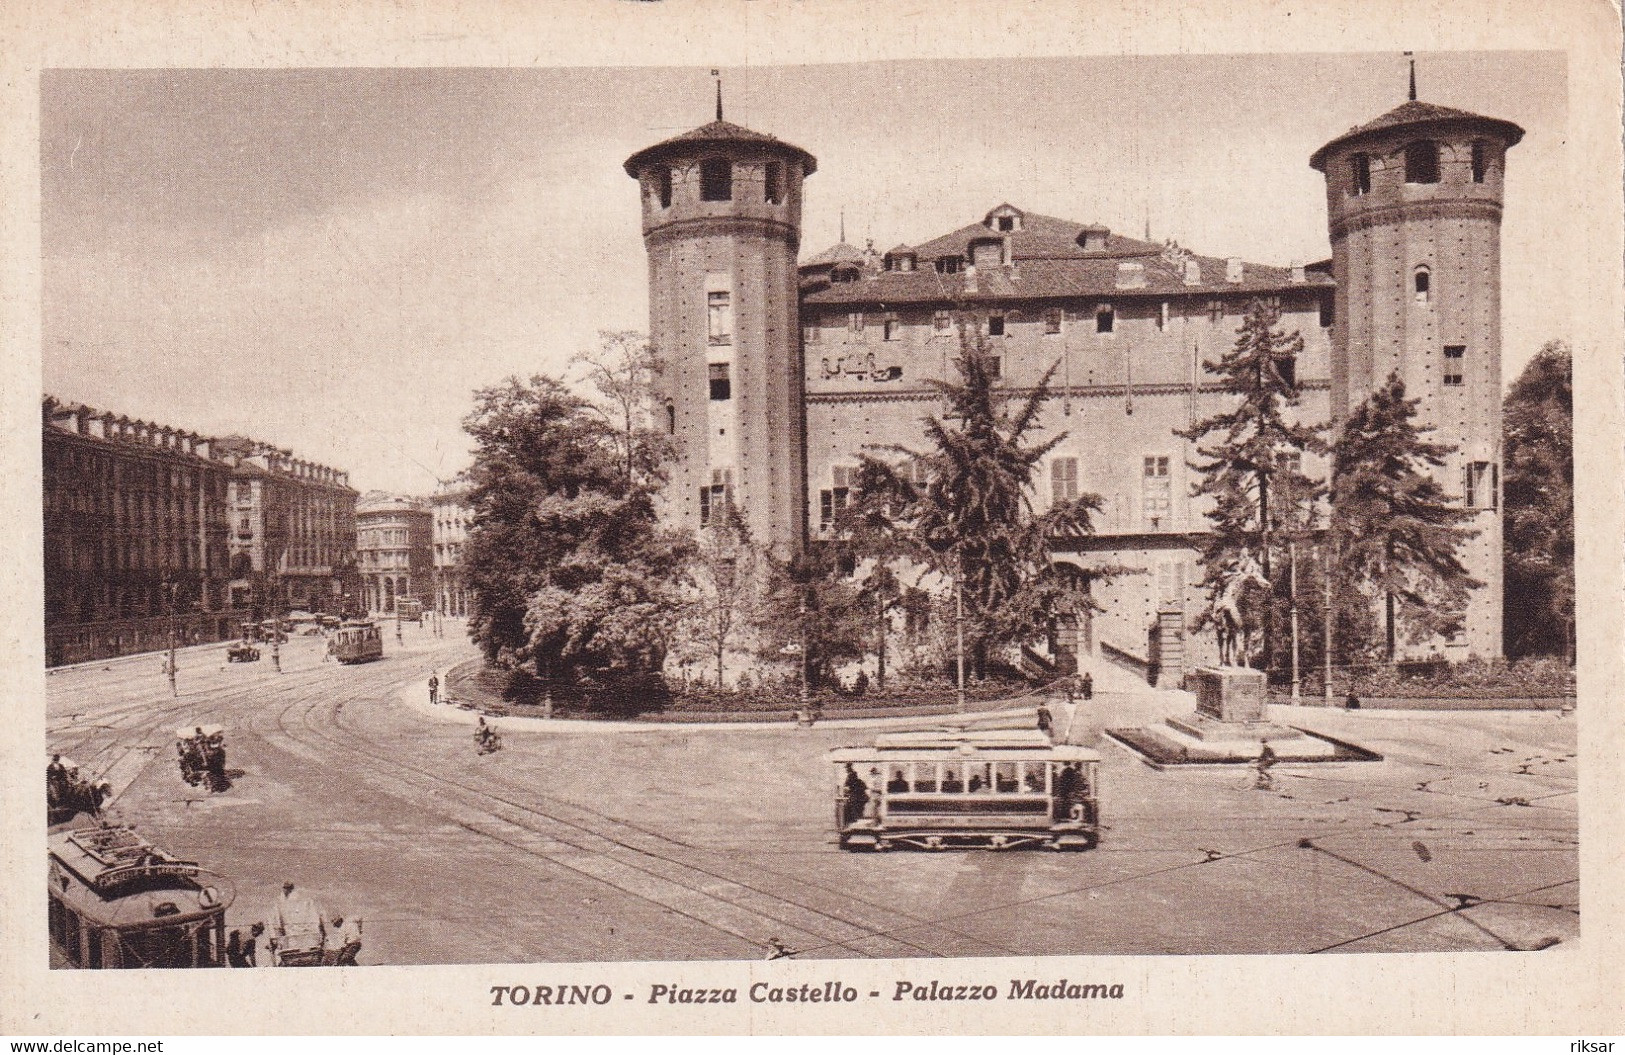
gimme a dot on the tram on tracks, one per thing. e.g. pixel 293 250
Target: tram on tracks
pixel 356 642
pixel 994 788
pixel 116 900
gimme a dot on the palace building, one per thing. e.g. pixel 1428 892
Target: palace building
pixel 778 375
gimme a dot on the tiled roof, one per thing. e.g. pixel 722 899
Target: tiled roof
pixel 1416 113
pixel 839 253
pixel 1049 263
pixel 717 132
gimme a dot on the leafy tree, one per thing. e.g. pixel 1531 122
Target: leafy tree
pixel 814 609
pixel 1395 531
pixel 624 371
pixel 964 507
pixel 1538 506
pixel 1251 460
pixel 724 604
pixel 569 572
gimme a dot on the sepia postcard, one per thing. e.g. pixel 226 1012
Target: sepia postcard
pixel 674 518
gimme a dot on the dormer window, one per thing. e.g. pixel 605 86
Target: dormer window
pixel 716 179
pixel 950 265
pixel 1093 239
pixel 846 273
pixel 1422 162
pixel 1007 223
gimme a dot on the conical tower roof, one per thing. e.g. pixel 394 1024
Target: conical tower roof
pixel 1414 113
pixel 717 133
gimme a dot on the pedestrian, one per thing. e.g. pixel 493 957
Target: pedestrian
pixel 1266 759
pixel 251 946
pixel 1088 685
pixel 434 688
pixel 777 950
pixel 56 778
pixel 1066 789
pixel 1046 721
pixel 234 950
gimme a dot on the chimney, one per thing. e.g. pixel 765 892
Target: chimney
pixel 1297 272
pixel 1233 272
pixel 970 278
pixel 1193 273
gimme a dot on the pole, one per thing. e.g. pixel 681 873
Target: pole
pixel 804 686
pixel 959 633
pixel 173 691
pixel 1292 557
pixel 1326 624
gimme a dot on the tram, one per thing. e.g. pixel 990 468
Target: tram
pixel 356 642
pixel 995 788
pixel 116 900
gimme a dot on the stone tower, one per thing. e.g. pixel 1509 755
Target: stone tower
pixel 1413 202
pixel 722 223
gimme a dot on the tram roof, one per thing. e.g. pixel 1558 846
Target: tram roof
pixel 966 743
pixel 125 880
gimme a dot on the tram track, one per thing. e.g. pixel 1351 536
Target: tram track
pixel 591 848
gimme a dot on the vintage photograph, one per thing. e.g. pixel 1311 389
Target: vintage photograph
pixel 1013 507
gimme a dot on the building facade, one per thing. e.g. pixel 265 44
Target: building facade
pixel 394 550
pixel 1126 324
pixel 452 517
pixel 136 551
pixel 292 537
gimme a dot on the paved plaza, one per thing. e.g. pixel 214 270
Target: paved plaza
pixel 665 842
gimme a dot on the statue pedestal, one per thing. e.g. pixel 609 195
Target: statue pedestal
pixel 1229 694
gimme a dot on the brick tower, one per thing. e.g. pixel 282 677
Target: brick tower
pixel 1413 202
pixel 722 223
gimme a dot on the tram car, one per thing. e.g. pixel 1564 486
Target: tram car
pixel 116 900
pixel 994 788
pixel 356 642
pixel 201 754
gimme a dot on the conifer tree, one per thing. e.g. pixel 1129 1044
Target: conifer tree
pixel 964 506
pixel 1250 458
pixel 1538 504
pixel 1395 531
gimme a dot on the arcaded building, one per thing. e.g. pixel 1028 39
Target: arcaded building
pixel 772 393
pixel 394 550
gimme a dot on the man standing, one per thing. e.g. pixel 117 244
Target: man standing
pixel 1046 721
pixel 1088 685
pixel 434 688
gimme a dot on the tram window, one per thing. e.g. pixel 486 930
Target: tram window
pixel 979 779
pixel 1033 776
pixel 925 776
pixel 898 782
pixel 952 779
pixel 1004 777
pixel 94 958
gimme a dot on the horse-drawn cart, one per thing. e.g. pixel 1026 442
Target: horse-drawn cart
pixel 201 751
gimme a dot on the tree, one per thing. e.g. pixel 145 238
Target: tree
pixel 1394 529
pixel 813 609
pixel 964 507
pixel 1538 506
pixel 724 604
pixel 624 371
pixel 569 571
pixel 1251 462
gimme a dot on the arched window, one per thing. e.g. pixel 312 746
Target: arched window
pixel 716 180
pixel 1422 282
pixel 663 184
pixel 1360 174
pixel 773 183
pixel 1480 162
pixel 1422 162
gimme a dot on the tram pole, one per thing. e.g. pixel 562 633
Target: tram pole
pixel 1292 557
pixel 169 667
pixel 959 633
pixel 1326 623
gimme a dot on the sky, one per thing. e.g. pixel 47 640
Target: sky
pixel 334 260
